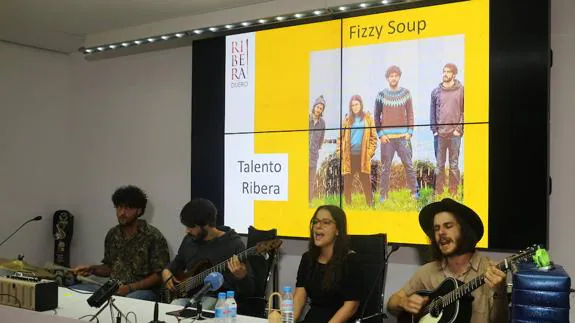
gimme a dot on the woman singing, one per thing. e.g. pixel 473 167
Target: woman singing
pixel 326 271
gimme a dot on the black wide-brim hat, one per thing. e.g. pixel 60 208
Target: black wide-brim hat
pixel 465 213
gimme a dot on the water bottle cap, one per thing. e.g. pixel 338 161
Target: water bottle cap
pixel 287 289
pixel 230 294
pixel 222 295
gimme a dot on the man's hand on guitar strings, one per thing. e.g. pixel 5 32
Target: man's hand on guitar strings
pixel 237 269
pixel 495 278
pixel 169 279
pixel 414 303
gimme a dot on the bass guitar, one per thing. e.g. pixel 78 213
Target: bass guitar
pixel 193 279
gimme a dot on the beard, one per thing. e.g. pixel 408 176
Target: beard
pixel 201 235
pixel 458 250
pixel 126 222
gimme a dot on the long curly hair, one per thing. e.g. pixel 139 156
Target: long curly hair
pixel 334 267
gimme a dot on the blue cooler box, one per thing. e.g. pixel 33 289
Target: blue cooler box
pixel 540 295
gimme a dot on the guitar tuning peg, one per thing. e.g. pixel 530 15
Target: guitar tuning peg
pixel 514 268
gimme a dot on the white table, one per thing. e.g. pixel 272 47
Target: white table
pixel 73 305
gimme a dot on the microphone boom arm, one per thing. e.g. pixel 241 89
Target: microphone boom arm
pixel 38 218
pixel 382 272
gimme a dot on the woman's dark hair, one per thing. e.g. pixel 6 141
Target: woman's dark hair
pixel 467 240
pixel 199 212
pixel 130 196
pixel 334 267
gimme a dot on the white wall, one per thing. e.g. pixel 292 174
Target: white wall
pixel 562 221
pixel 34 151
pixel 132 125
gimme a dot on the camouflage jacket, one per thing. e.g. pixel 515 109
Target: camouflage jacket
pixel 133 259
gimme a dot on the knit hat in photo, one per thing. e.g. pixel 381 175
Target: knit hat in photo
pixel 319 100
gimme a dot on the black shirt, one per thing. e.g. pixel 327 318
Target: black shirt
pixel 324 304
pixel 215 251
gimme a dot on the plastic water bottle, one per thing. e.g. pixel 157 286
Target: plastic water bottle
pixel 220 309
pixel 231 308
pixel 287 305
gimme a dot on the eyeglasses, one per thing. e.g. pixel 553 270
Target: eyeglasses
pixel 325 222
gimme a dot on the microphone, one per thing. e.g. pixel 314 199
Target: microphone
pixel 383 270
pixel 38 218
pixel 212 282
pixel 104 293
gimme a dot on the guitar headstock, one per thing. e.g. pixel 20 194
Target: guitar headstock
pixel 524 255
pixel 268 245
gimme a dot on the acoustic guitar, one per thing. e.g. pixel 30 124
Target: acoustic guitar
pixel 193 279
pixel 451 301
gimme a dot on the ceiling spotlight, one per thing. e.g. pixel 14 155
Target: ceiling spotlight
pixel 138 42
pixel 385 1
pixel 280 18
pixel 198 31
pixel 245 23
pixel 125 44
pixel 101 48
pixel 180 35
pixel 213 29
pixel 112 46
pixel 298 15
pixel 229 26
pixel 317 12
pixel 342 8
pixel 165 37
pixel 89 50
pixel 262 21
pixel 363 5
pixel 151 40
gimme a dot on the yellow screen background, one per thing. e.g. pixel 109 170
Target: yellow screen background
pixel 282 96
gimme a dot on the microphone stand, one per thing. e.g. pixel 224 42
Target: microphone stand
pixel 111 304
pixel 156 320
pixel 197 304
pixel 382 272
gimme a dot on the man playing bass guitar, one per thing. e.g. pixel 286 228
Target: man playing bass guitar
pixel 209 245
pixel 454 230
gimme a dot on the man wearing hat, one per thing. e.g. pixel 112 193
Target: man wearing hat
pixel 454 230
pixel 205 241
